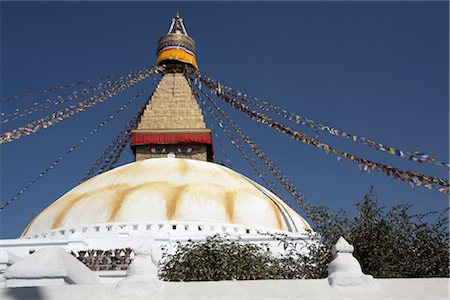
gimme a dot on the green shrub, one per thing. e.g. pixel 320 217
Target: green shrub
pixel 220 259
pixel 391 243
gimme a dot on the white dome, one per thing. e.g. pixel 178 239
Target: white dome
pixel 167 189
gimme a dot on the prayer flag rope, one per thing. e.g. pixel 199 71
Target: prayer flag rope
pixel 60 87
pixel 114 153
pixel 106 159
pixel 112 159
pixel 70 150
pixel 266 106
pixel 300 199
pixel 218 141
pixel 201 102
pixel 413 178
pixel 118 151
pixel 101 163
pixel 235 142
pixel 72 110
pixel 18 112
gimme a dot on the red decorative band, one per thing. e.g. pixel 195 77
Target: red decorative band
pixel 170 138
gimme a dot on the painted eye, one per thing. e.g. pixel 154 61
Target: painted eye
pixel 158 150
pixel 184 150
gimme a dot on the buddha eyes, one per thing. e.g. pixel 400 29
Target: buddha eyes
pixel 158 150
pixel 184 150
pixel 162 150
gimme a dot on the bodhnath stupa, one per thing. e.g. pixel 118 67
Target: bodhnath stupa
pixel 173 192
pixel 105 237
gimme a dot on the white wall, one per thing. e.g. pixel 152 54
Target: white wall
pixel 411 289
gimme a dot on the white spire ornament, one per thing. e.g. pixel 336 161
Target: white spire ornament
pixel 143 271
pixel 345 270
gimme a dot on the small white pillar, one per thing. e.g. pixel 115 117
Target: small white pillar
pixel 143 266
pixel 143 271
pixel 345 270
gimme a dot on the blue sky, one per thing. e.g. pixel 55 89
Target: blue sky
pixel 378 70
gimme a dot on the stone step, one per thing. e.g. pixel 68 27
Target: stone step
pixel 171 112
pixel 163 118
pixel 173 96
pixel 176 122
pixel 170 125
pixel 169 92
pixel 171 102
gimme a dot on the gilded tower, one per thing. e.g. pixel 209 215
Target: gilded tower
pixel 172 124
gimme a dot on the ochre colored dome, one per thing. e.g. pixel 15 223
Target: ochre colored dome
pixel 166 189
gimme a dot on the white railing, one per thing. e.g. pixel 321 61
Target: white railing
pixel 179 228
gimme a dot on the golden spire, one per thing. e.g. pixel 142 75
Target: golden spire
pixel 172 124
pixel 176 46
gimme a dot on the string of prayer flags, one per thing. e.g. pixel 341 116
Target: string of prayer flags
pixel 104 158
pixel 218 141
pixel 60 87
pixel 72 110
pixel 413 178
pixel 118 151
pixel 18 112
pixel 71 149
pixel 267 107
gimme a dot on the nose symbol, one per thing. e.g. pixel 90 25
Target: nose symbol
pixel 171 155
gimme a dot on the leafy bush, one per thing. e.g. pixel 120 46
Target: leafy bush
pixel 220 259
pixel 388 243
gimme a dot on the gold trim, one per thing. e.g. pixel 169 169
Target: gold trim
pixel 176 54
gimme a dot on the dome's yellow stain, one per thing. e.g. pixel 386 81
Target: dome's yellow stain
pixel 118 189
pixel 173 199
pixel 183 166
pixel 277 213
pixel 120 198
pixel 29 225
pixel 229 206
